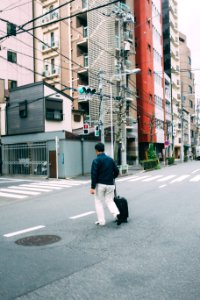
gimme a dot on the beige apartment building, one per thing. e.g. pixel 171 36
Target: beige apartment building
pixel 172 67
pixel 91 44
pixel 189 128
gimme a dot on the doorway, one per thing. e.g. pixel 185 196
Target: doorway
pixel 52 164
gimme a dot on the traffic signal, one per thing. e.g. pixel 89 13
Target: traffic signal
pixel 85 128
pixel 86 90
pixel 96 131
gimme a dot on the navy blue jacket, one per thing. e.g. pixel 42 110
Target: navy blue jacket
pixel 104 170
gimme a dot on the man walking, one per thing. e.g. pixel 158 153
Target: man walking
pixel 103 172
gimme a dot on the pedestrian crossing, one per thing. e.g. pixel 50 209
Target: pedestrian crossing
pixel 171 179
pixel 35 188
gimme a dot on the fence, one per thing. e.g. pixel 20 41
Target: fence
pixel 25 159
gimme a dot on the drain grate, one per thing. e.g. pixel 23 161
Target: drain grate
pixel 38 240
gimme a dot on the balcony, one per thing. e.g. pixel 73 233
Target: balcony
pixel 55 71
pixel 50 46
pixel 128 36
pixel 85 60
pixel 128 64
pixel 84 4
pixel 85 32
pixel 52 16
pixel 83 43
pixel 117 42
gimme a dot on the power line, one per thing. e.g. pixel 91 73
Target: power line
pixel 13 7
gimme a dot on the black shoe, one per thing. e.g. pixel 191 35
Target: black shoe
pixel 119 220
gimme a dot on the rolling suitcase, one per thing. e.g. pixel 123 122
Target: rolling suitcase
pixel 122 205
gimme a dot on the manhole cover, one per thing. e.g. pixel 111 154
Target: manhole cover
pixel 38 240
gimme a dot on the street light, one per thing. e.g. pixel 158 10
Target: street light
pixel 127 72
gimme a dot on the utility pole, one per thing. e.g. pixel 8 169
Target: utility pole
pixel 101 104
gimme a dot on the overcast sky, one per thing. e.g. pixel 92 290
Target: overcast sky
pixel 189 18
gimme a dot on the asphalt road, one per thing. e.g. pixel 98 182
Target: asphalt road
pixel 155 256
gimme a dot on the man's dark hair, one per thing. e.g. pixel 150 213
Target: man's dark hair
pixel 99 147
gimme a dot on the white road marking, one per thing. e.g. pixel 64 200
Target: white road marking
pixel 166 178
pixel 196 178
pixel 179 179
pixel 10 189
pixel 67 182
pixel 7 195
pixel 152 178
pixel 48 184
pixel 44 186
pixel 139 178
pixel 162 186
pixel 21 187
pixel 126 178
pixel 196 171
pixel 5 182
pixel 82 215
pixel 23 231
pixel 14 179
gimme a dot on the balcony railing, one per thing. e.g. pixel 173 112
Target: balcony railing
pixel 85 32
pixel 55 71
pixel 50 17
pixel 49 45
pixel 117 42
pixel 85 60
pixel 84 4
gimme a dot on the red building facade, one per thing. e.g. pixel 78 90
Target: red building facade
pixel 149 58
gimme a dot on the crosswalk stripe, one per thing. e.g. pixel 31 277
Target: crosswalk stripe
pixel 195 179
pixel 32 189
pixel 195 171
pixel 166 178
pixel 152 178
pixel 48 184
pixel 126 178
pixel 7 195
pixel 12 190
pixel 179 179
pixel 45 186
pixel 139 178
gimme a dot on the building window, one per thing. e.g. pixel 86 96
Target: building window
pixel 12 57
pixel 12 84
pixel 52 39
pixel 190 103
pixel 54 109
pixel 23 111
pixel 52 66
pixel 190 89
pixel 11 29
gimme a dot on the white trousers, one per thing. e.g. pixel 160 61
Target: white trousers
pixel 105 193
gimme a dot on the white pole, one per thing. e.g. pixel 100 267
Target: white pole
pixel 111 120
pixel 56 157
